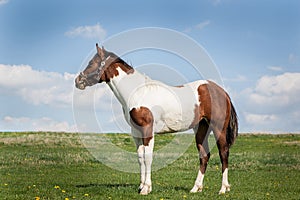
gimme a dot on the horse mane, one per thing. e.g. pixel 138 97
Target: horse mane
pixel 118 60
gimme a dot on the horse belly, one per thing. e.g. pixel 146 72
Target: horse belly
pixel 174 120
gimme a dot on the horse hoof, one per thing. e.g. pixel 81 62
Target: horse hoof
pixel 196 189
pixel 224 188
pixel 145 190
pixel 140 188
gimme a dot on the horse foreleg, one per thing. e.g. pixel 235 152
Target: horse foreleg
pixel 145 157
pixel 142 124
pixel 148 157
pixel 141 159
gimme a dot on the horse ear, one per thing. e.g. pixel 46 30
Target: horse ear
pixel 100 51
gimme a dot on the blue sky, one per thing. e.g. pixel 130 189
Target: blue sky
pixel 255 45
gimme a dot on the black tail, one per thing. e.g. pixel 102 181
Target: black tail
pixel 232 129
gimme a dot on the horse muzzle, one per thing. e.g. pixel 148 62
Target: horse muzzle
pixel 80 83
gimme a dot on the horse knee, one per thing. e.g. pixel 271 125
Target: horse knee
pixel 140 152
pixel 148 155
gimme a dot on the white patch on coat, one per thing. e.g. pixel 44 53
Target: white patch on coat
pixel 225 185
pixel 172 107
pixel 198 186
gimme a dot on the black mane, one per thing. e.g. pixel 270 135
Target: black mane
pixel 117 59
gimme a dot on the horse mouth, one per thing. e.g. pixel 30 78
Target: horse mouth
pixel 80 86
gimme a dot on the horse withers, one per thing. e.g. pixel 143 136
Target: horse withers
pixel 200 105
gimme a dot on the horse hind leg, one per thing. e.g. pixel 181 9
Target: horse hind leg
pixel 224 155
pixel 201 136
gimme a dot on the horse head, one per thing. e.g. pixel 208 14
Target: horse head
pixel 96 71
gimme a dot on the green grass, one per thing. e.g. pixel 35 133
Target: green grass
pixel 57 166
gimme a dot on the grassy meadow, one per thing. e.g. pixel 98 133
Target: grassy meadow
pixel 41 165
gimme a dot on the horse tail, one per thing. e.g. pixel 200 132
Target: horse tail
pixel 232 129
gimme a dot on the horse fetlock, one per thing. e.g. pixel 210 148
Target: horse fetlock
pixel 196 188
pixel 145 189
pixel 224 188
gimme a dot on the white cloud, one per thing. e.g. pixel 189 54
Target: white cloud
pixel 275 68
pixel 99 96
pixel 273 104
pixel 238 78
pixel 255 119
pixel 48 92
pixel 3 2
pixel 202 24
pixel 39 124
pixel 283 89
pixel 50 88
pixel 95 31
pixel 215 2
pixel 37 87
pixel 292 58
pixel 199 26
pixel 187 30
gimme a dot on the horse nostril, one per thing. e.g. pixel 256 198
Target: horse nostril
pixel 80 84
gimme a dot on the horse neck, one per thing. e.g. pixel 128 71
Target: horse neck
pixel 124 84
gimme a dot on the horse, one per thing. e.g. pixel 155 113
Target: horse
pixel 150 106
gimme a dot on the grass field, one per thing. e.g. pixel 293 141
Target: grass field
pixel 57 166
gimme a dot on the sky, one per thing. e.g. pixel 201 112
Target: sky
pixel 255 46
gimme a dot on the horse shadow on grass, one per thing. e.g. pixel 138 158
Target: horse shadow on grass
pixel 109 185
pixel 129 185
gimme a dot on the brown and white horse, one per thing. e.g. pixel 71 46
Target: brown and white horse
pixel 151 106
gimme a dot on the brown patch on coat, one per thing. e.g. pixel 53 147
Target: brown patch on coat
pixel 214 105
pixel 203 110
pixel 110 71
pixel 108 74
pixel 142 119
